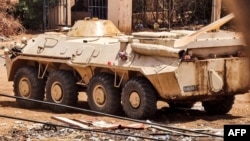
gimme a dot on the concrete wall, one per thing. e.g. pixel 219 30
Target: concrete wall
pixel 113 9
pixel 120 13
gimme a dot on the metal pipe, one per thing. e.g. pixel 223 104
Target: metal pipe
pixel 113 116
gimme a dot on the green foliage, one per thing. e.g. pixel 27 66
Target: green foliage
pixel 30 12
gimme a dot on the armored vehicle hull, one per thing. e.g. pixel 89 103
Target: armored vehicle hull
pixel 129 72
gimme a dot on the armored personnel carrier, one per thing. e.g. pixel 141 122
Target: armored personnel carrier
pixel 130 72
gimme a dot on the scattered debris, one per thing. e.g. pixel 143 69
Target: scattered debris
pixel 98 124
pixel 98 129
pixel 157 132
pixel 128 132
pixel 105 125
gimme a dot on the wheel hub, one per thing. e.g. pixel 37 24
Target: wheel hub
pixel 56 91
pixel 99 95
pixel 134 100
pixel 24 87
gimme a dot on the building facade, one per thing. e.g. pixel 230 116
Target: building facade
pixel 66 12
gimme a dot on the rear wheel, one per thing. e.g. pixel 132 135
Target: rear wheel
pixel 139 98
pixel 218 107
pixel 27 85
pixel 102 95
pixel 61 88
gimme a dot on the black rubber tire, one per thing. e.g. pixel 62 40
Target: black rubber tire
pixel 146 95
pixel 188 105
pixel 110 102
pixel 28 85
pixel 63 84
pixel 219 107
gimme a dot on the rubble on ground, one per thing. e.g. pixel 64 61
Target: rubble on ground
pixel 116 131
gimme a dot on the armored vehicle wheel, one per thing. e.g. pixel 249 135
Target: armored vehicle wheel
pixel 218 107
pixel 61 88
pixel 102 95
pixel 139 98
pixel 180 105
pixel 27 85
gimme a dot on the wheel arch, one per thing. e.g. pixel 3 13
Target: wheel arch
pixel 100 70
pixel 52 66
pixel 16 65
pixel 123 74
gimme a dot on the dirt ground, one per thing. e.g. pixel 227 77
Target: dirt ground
pixel 195 118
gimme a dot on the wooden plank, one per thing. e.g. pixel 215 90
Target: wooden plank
pixel 99 124
pixel 70 122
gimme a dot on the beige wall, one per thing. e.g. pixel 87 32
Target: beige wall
pixel 120 13
pixel 113 9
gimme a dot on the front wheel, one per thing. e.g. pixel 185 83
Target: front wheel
pixel 28 85
pixel 139 98
pixel 218 107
